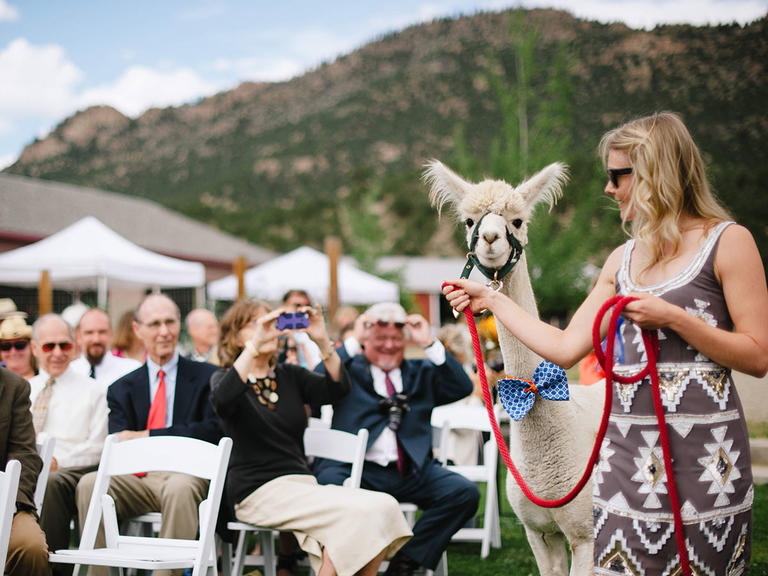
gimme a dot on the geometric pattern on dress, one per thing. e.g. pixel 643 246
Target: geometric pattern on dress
pixel 682 427
pixel 652 534
pixel 602 464
pixel 623 427
pixel 717 531
pixel 618 558
pixel 737 564
pixel 720 466
pixel 599 516
pixel 650 470
pixel 626 393
pixel 698 568
pixel 716 384
pixel 672 385
pixel 700 311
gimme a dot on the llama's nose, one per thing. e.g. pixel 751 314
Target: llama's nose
pixel 490 236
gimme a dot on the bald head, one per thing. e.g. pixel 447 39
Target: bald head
pixel 52 343
pixel 157 325
pixel 94 335
pixel 203 329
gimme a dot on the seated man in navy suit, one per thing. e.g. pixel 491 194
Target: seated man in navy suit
pixel 393 398
pixel 168 395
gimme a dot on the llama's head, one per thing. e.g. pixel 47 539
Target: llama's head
pixel 492 209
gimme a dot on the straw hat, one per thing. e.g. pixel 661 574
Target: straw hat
pixel 15 327
pixel 8 308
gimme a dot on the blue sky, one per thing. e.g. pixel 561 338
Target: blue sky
pixel 60 56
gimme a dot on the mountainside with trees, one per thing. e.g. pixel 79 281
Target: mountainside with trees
pixel 339 150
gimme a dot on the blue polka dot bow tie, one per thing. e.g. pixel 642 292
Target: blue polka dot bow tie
pixel 517 395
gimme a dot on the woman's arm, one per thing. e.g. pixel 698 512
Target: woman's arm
pixel 563 347
pixel 742 277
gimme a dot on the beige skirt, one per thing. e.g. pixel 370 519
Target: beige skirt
pixel 353 525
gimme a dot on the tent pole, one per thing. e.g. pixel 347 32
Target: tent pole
pixel 44 294
pixel 101 298
pixel 238 267
pixel 333 251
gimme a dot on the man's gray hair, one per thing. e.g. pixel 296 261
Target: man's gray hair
pixel 387 312
pixel 48 317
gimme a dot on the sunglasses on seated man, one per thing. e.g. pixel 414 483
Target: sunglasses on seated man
pixel 384 324
pixel 15 344
pixel 49 346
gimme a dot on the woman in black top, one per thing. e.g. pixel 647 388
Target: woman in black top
pixel 261 405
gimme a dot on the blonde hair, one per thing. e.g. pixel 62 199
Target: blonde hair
pixel 235 319
pixel 669 180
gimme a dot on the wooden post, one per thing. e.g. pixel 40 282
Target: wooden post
pixel 239 269
pixel 44 294
pixel 333 251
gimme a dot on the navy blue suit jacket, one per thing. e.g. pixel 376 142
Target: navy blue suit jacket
pixel 427 386
pixel 193 415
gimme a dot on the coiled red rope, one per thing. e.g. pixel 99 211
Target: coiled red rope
pixel 650 340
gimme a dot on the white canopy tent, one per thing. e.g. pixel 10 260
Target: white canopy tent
pixel 89 255
pixel 306 269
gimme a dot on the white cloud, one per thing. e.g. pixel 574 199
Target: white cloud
pixel 8 13
pixel 38 80
pixel 7 159
pixel 140 87
pixel 259 69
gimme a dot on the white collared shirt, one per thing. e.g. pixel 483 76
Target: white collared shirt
pixel 171 369
pixel 110 369
pixel 77 417
pixel 384 449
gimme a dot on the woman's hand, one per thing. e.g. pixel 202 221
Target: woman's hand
pixel 650 312
pixel 265 329
pixel 316 329
pixel 462 293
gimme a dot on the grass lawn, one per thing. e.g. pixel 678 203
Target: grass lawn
pixel 514 558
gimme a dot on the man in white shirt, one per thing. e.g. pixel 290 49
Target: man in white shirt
pixel 73 409
pixel 203 330
pixel 94 339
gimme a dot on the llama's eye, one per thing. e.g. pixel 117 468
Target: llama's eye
pixel 517 222
pixel 469 222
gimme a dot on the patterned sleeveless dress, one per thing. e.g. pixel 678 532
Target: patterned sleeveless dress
pixel 634 531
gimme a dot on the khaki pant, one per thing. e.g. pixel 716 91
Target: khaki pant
pixel 176 496
pixel 27 550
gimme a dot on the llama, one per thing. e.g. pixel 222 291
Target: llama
pixel 551 444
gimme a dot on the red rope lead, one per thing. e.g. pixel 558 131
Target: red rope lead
pixel 650 340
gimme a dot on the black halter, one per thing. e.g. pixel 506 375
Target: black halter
pixel 493 274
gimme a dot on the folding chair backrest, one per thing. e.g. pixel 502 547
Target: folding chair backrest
pixel 340 446
pixel 45 451
pixel 9 486
pixel 159 453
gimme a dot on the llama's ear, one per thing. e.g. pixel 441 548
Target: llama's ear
pixel 445 187
pixel 544 186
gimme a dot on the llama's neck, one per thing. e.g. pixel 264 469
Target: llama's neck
pixel 519 361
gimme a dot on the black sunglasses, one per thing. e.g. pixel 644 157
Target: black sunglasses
pixel 384 324
pixel 614 173
pixel 18 345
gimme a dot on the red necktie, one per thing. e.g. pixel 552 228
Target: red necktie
pixel 402 462
pixel 156 418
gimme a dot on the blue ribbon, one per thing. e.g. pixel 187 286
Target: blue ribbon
pixel 517 395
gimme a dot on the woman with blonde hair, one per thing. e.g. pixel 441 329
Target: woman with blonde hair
pixel 699 282
pixel 260 403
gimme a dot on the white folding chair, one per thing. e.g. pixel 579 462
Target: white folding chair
pixel 155 453
pixel 45 451
pixel 9 486
pixel 319 442
pixel 476 418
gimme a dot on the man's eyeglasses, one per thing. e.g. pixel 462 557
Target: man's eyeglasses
pixel 614 173
pixel 16 345
pixel 49 346
pixel 384 324
pixel 169 323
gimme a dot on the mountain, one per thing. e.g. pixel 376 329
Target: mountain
pixel 338 150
